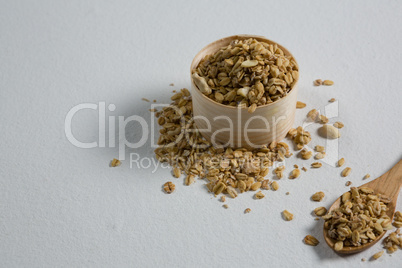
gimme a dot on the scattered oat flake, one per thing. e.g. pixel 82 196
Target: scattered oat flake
pixel 287 215
pixel 255 186
pixel 259 195
pixel 169 187
pixel 341 162
pixel 300 137
pixel 279 171
pixel 248 210
pixel 190 179
pixel 320 148
pixel 300 105
pixel 318 196
pixel 171 84
pixel 348 183
pixel 320 211
pixel 346 172
pixel 311 240
pixel 295 166
pixel 328 83
pixel 306 154
pixel 317 82
pixel 316 165
pixel 115 162
pixel 287 193
pixel 313 114
pixel 378 255
pixel 319 155
pixel 339 125
pixel 332 100
pixel 363 259
pixel 265 185
pixel 145 99
pixel 218 188
pixel 323 119
pixel 231 191
pixel 304 169
pixel 223 198
pixel 366 176
pixel 176 172
pixel 154 100
pixel 294 174
pixel 330 132
pixel 225 206
pixel 274 186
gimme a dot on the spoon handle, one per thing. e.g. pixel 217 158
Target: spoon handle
pixel 390 183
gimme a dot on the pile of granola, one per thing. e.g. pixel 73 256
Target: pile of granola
pixel 360 218
pixel 229 171
pixel 246 73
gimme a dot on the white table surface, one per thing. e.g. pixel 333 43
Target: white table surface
pixel 63 206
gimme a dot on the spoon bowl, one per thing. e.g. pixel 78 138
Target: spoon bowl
pixel 387 185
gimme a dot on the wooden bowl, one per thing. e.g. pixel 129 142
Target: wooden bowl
pixel 228 125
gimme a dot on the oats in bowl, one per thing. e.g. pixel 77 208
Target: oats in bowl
pixel 246 73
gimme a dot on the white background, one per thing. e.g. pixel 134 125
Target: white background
pixel 64 206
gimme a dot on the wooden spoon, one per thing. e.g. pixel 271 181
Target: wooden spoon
pixel 389 185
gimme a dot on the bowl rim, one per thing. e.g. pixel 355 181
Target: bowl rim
pixel 243 36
